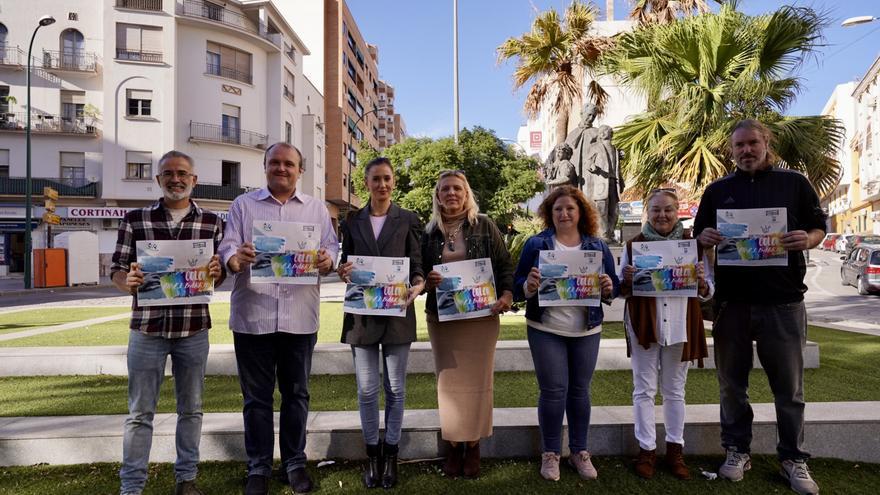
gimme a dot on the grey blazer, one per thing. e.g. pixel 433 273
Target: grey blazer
pixel 400 237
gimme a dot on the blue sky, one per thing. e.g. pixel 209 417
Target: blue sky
pixel 415 56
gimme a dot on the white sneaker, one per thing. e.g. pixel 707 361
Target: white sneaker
pixel 550 466
pixel 583 465
pixel 798 475
pixel 735 465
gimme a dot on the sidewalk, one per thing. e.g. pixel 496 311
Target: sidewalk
pixel 14 286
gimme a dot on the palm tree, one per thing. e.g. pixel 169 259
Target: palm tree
pixel 557 54
pixel 666 11
pixel 700 75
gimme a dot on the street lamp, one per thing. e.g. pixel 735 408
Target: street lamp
pixel 855 21
pixel 351 147
pixel 455 67
pixel 44 21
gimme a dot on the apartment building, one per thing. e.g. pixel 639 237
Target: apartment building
pixel 116 83
pixel 838 202
pixel 864 212
pixel 391 129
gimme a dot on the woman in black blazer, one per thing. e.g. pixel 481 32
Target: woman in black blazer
pixel 381 229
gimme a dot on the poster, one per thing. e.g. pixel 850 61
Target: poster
pixel 467 289
pixel 753 237
pixel 665 268
pixel 570 278
pixel 175 272
pixel 287 252
pixel 379 286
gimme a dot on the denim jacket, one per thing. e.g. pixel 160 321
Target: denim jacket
pixel 529 258
pixel 482 240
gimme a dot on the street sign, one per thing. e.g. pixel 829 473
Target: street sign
pixel 51 218
pixel 50 206
pixel 50 193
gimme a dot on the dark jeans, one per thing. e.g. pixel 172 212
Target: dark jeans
pixel 780 332
pixel 564 367
pixel 260 359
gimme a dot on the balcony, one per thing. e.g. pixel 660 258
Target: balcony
pixel 46 124
pixel 212 12
pixel 17 186
pixel 151 5
pixel 12 56
pixel 228 73
pixel 217 192
pixel 70 61
pixel 138 56
pixel 213 133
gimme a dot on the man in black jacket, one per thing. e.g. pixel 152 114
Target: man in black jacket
pixel 764 304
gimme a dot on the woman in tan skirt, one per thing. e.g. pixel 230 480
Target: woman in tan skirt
pixel 464 350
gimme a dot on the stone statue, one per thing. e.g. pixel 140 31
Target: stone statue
pixel 562 171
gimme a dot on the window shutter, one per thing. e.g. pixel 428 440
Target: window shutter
pixel 231 111
pixel 140 94
pixel 72 159
pixel 138 157
pixel 151 40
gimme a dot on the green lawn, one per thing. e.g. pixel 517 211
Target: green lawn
pixel 847 373
pixel 25 320
pixel 116 332
pixel 507 476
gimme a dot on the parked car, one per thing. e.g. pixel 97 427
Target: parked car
pixel 861 268
pixel 827 243
pixel 861 239
pixel 841 243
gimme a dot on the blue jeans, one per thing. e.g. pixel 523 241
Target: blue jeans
pixel 366 368
pixel 564 367
pixel 780 335
pixel 260 359
pixel 146 369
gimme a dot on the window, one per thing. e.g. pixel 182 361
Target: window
pixel 863 255
pixel 875 256
pixel 231 131
pixel 73 168
pixel 228 62
pixel 288 85
pixel 212 11
pixel 4 104
pixel 319 153
pixel 139 102
pixel 72 43
pixel 136 42
pixel 355 104
pixel 138 165
pixel 288 133
pixel 73 104
pixel 230 174
pixel 344 180
pixel 290 51
pixel 3 33
pixel 4 163
pixel 72 16
pixel 353 129
pixel 351 154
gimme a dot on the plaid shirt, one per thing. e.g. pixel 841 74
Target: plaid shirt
pixel 155 223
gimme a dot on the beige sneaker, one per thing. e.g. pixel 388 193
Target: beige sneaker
pixel 799 478
pixel 550 466
pixel 584 466
pixel 735 465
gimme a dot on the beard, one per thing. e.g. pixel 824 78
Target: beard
pixel 177 196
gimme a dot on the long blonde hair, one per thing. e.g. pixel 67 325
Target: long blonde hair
pixel 470 204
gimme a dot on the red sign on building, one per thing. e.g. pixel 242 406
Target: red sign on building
pixel 535 139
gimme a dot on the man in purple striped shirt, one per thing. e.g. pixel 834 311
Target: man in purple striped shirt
pixel 274 325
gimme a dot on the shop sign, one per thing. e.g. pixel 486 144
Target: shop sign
pixel 90 212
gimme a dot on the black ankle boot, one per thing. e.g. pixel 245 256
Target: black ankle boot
pixel 389 459
pixel 373 470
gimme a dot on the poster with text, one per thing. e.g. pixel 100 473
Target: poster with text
pixel 379 286
pixel 467 289
pixel 175 272
pixel 665 268
pixel 570 278
pixel 287 252
pixel 752 237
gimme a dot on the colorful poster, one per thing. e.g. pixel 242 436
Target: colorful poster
pixel 665 268
pixel 570 278
pixel 467 289
pixel 753 237
pixel 175 272
pixel 379 286
pixel 287 252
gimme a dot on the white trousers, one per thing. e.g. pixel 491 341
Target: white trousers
pixel 663 362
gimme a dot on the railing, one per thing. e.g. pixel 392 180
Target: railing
pixel 138 55
pixel 15 186
pixel 228 73
pixel 288 94
pixel 153 5
pixel 200 131
pixel 44 123
pixel 222 15
pixel 77 61
pixel 217 191
pixel 11 55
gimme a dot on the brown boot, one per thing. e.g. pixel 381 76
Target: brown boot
pixel 645 463
pixel 453 463
pixel 471 467
pixel 675 461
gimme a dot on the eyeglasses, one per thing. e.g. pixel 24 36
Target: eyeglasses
pixel 447 173
pixel 180 174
